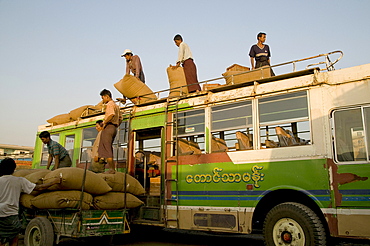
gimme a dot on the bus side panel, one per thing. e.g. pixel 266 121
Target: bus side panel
pixel 214 182
pixel 352 197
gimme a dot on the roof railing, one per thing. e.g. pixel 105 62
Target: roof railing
pixel 329 66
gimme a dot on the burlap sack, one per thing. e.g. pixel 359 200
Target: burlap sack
pixel 116 182
pixel 78 112
pixel 25 200
pixel 37 177
pixel 154 159
pixel 72 180
pixel 62 199
pixel 25 172
pixel 60 119
pixel 116 200
pixel 218 145
pixel 188 147
pixel 176 78
pixel 132 87
pixel 246 77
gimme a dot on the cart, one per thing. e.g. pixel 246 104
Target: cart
pixel 43 227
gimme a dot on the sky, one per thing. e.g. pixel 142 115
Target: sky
pixel 56 56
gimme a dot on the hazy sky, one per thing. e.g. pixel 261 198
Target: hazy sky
pixel 58 55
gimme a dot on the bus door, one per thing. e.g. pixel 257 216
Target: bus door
pixel 147 170
pixel 351 169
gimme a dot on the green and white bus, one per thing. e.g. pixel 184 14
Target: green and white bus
pixel 288 155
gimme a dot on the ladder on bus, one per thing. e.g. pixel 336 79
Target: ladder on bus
pixel 171 150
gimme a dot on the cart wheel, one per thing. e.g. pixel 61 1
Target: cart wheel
pixel 39 232
pixel 293 224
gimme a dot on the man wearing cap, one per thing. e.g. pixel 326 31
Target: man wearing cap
pixel 133 64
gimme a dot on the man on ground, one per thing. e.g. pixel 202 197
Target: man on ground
pixel 10 191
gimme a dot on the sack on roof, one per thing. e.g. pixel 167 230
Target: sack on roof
pixel 132 87
pixel 78 112
pixel 176 78
pixel 60 119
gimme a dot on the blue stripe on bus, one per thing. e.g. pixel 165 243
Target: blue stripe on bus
pixel 320 195
pixel 355 192
pixel 241 193
pixel 356 198
pixel 231 198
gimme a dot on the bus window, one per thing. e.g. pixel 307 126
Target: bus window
pixel 120 142
pixel 45 153
pixel 232 127
pixel 88 139
pixel 190 130
pixel 350 134
pixel 284 120
pixel 69 145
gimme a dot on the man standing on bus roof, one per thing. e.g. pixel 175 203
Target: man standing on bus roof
pixel 112 120
pixel 185 57
pixel 260 53
pixel 10 192
pixel 97 164
pixel 56 152
pixel 133 64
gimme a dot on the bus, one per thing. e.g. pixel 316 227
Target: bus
pixel 287 155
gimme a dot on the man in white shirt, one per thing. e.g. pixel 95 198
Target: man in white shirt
pixel 185 57
pixel 10 191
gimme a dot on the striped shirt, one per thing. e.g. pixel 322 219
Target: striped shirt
pixel 54 148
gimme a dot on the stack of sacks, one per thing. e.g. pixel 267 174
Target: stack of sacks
pixel 77 113
pixel 177 80
pixel 132 88
pixel 35 176
pixel 116 198
pixel 67 194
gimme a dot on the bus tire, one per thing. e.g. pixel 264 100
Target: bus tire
pixel 39 232
pixel 293 224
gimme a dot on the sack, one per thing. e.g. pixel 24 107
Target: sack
pixel 78 112
pixel 132 87
pixel 246 77
pixel 25 172
pixel 62 199
pixel 176 78
pixel 218 145
pixel 25 200
pixel 37 177
pixel 72 180
pixel 116 200
pixel 60 119
pixel 116 182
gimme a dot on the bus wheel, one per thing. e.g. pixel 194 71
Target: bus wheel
pixel 293 224
pixel 39 232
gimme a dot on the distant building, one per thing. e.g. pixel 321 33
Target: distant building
pixel 21 154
